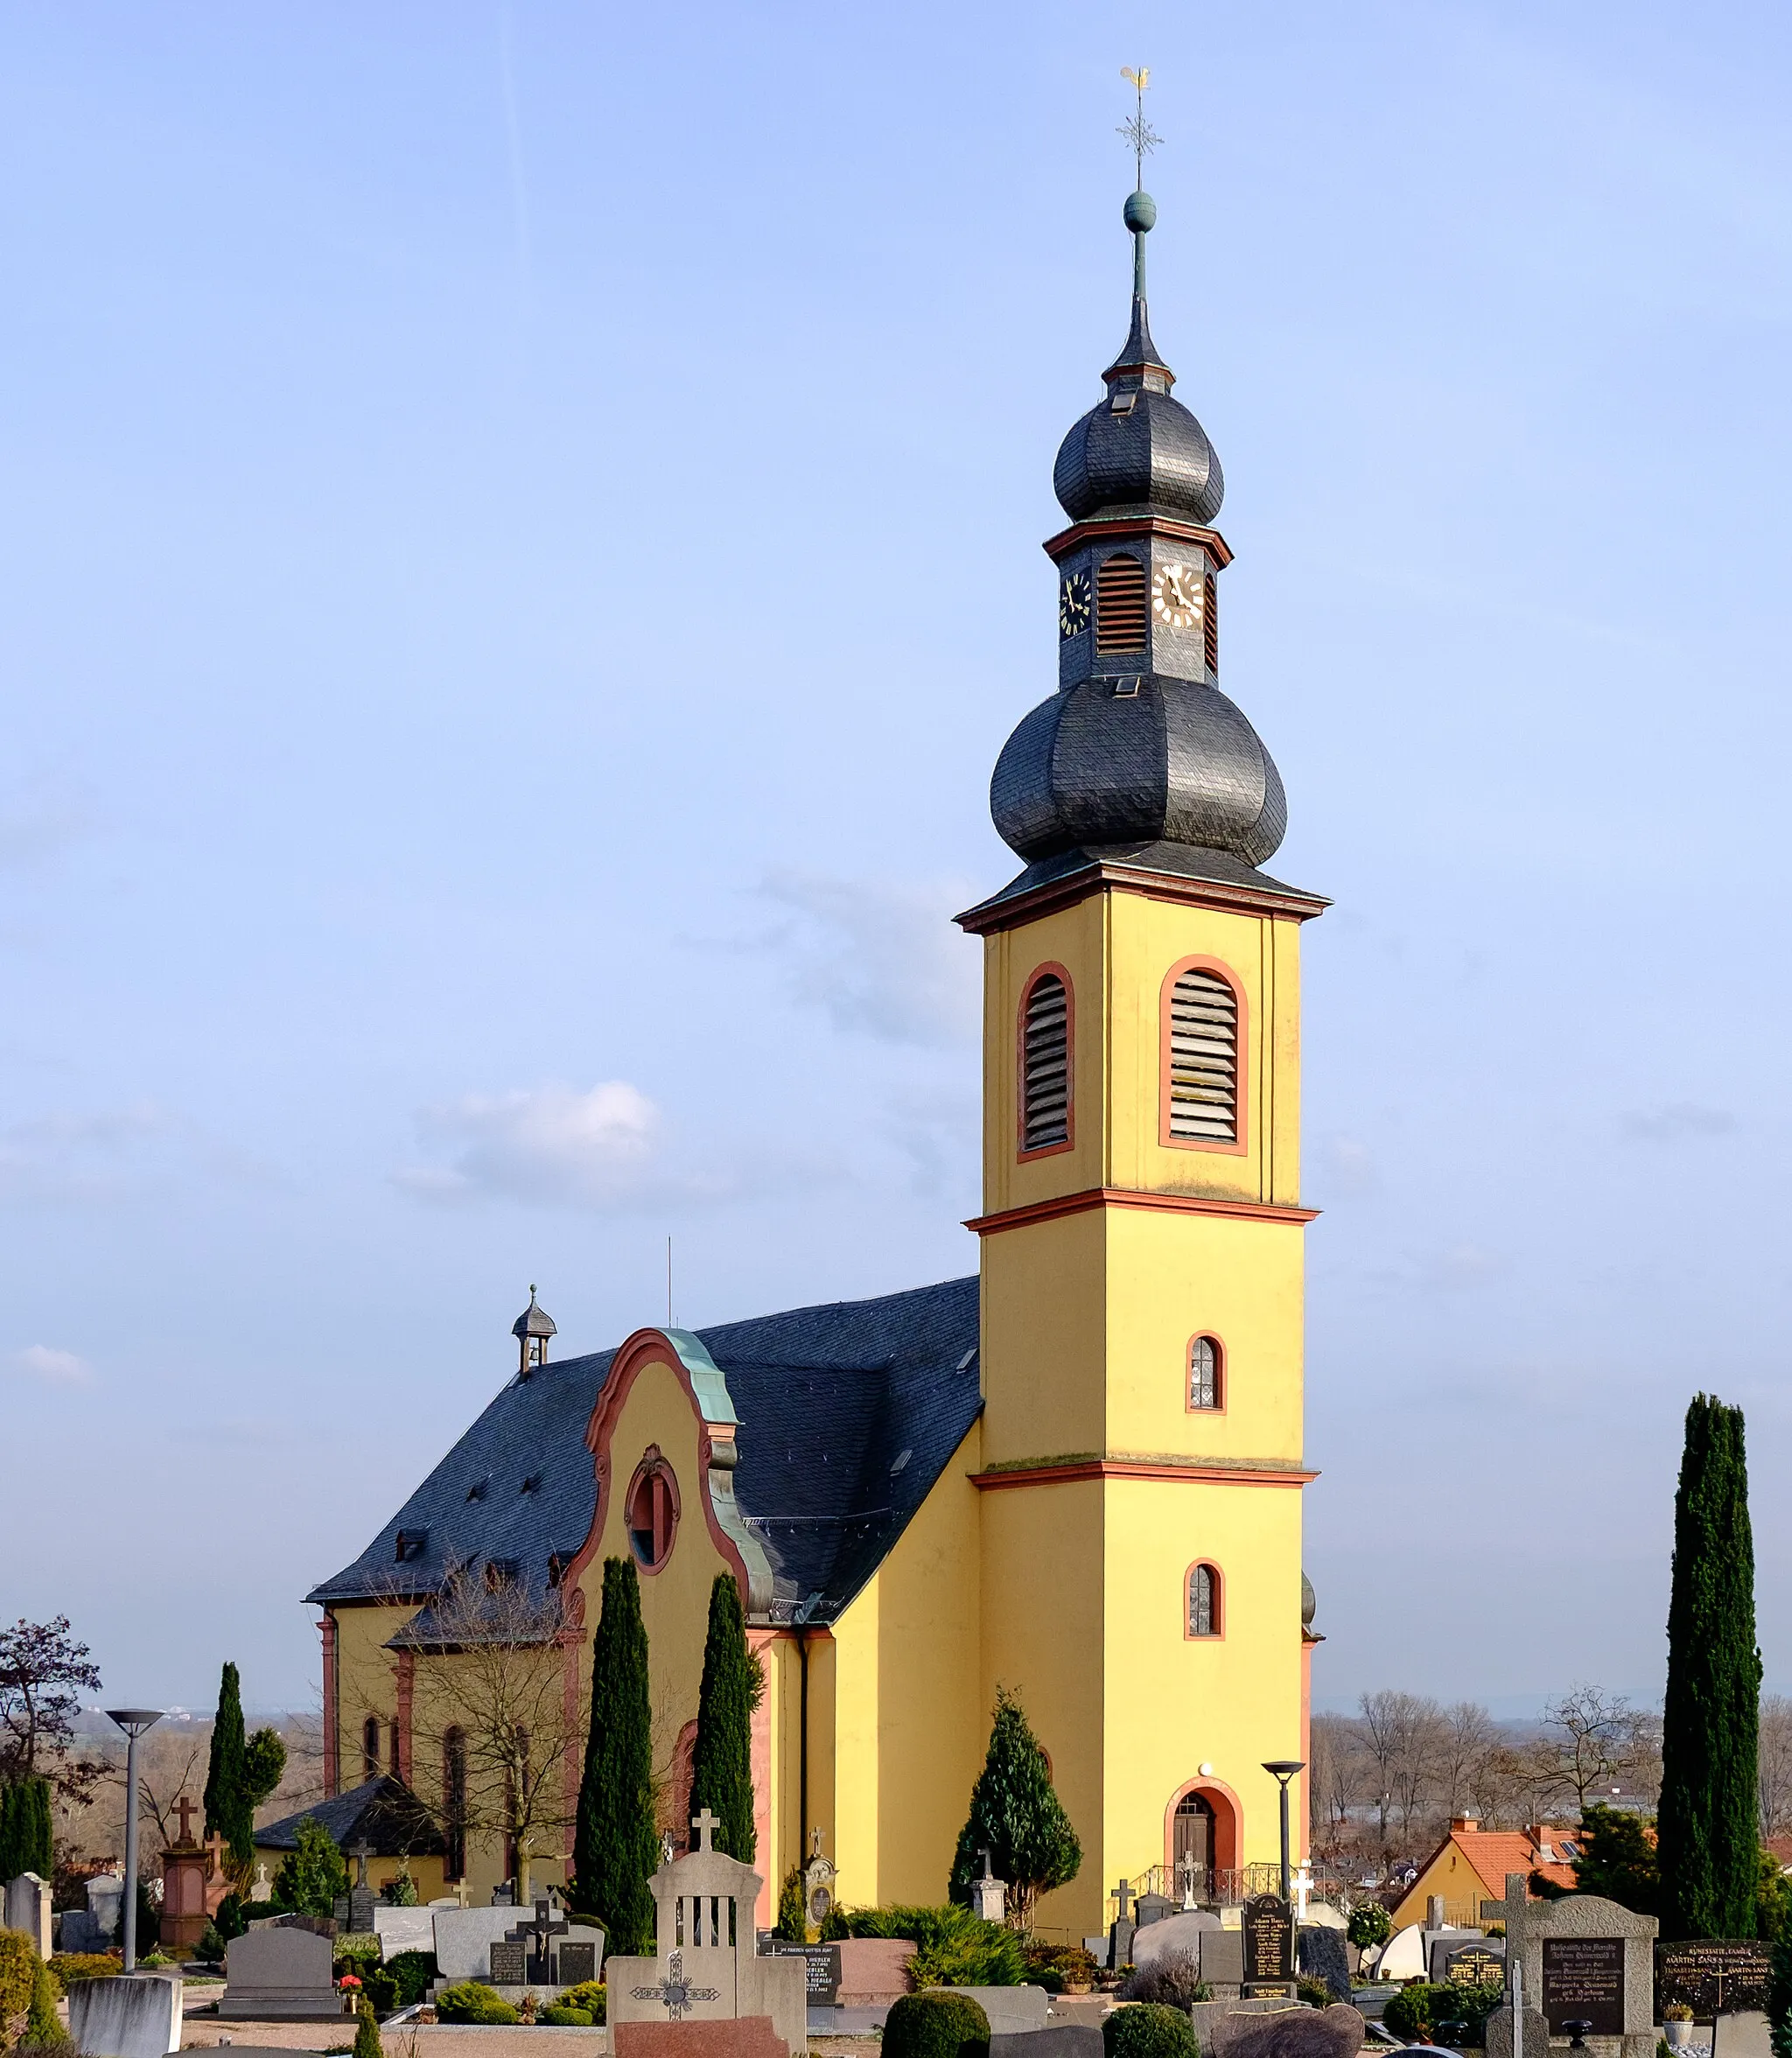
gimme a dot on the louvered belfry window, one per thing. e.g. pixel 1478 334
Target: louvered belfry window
pixel 1120 604
pixel 1210 623
pixel 1045 1059
pixel 1203 1060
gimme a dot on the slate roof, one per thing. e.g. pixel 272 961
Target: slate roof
pixel 849 1413
pixel 384 1811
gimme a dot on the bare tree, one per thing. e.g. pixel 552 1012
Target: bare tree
pixel 1334 1778
pixel 1592 1740
pixel 1466 1736
pixel 1776 1764
pixel 1501 1785
pixel 1397 1736
pixel 496 1702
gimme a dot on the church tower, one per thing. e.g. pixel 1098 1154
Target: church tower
pixel 1142 1229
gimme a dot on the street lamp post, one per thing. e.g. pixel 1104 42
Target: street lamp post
pixel 1284 1770
pixel 133 1722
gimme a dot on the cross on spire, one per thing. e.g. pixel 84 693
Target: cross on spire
pixel 705 1825
pixel 1137 132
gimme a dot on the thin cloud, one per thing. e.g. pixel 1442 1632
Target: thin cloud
pixel 94 1157
pixel 1677 1122
pixel 43 1363
pixel 551 1146
pixel 882 960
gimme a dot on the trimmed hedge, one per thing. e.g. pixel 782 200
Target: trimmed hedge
pixel 471 2000
pixel 561 2017
pixel 1148 2029
pixel 18 1974
pixel 590 1995
pixel 70 1966
pixel 936 2025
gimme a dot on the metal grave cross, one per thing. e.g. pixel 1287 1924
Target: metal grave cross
pixel 705 1825
pixel 542 1928
pixel 675 1993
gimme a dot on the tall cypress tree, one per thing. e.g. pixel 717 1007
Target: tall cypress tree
pixel 721 1766
pixel 229 1805
pixel 1706 1826
pixel 615 1846
pixel 26 1840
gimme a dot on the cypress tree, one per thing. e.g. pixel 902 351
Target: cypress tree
pixel 229 1807
pixel 40 1841
pixel 1017 1818
pixel 26 1841
pixel 615 1846
pixel 1706 1827
pixel 10 1829
pixel 721 1766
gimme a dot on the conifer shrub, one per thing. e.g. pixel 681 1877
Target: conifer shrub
pixel 792 1926
pixel 589 1994
pixel 312 1877
pixel 412 1973
pixel 616 1846
pixel 471 2000
pixel 952 1946
pixel 1780 1998
pixel 1151 2029
pixel 1017 1818
pixel 26 1839
pixel 367 2031
pixel 561 2017
pixel 43 2027
pixel 721 1763
pixel 936 2025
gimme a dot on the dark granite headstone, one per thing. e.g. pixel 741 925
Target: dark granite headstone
pixel 1712 1977
pixel 1469 1964
pixel 821 1961
pixel 1269 1941
pixel 1152 1907
pixel 1056 2039
pixel 508 1962
pixel 1335 2031
pixel 1584 1982
pixel 1319 1954
pixel 578 1963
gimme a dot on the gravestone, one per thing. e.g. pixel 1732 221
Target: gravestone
pixel 1151 1907
pixel 989 1895
pixel 1219 2023
pixel 28 1910
pixel 1336 2032
pixel 1056 2039
pixel 818 1881
pixel 704 1969
pixel 464 1939
pixel 1179 1934
pixel 1013 2011
pixel 1320 1953
pixel 821 1968
pixel 355 1910
pixel 1713 1977
pixel 509 1963
pixel 1583 1959
pixel 576 1964
pixel 105 1903
pixel 1269 1943
pixel 404 1929
pixel 873 1969
pixel 1121 1934
pixel 78 1929
pixel 135 2015
pixel 280 1976
pixel 750 2036
pixel 1477 1962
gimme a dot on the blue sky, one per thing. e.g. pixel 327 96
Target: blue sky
pixel 521 546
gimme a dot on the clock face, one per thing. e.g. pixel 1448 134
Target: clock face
pixel 1176 596
pixel 1073 605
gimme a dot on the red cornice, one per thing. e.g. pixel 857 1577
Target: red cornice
pixel 1066 1470
pixel 1288 905
pixel 1188 532
pixel 1033 1211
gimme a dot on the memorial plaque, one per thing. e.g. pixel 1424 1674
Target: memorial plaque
pixel 821 1968
pixel 1712 1977
pixel 507 1965
pixel 577 1963
pixel 1269 1941
pixel 1584 1982
pixel 1475 1966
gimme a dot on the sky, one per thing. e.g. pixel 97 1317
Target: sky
pixel 519 548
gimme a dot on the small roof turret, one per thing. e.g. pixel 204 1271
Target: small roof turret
pixel 532 1328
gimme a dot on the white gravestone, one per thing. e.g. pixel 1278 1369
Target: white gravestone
pixel 133 2015
pixel 28 1910
pixel 280 1976
pixel 1176 1936
pixel 465 1937
pixel 106 1902
pixel 404 1929
pixel 705 1965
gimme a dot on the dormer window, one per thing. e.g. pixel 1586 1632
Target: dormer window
pixel 410 1544
pixel 1120 604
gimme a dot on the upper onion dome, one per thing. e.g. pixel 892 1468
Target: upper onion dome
pixel 1139 451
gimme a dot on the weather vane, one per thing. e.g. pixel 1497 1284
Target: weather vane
pixel 1138 132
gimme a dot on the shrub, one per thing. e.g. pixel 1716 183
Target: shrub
pixel 412 1974
pixel 792 1908
pixel 952 1946
pixel 18 1974
pixel 45 2028
pixel 935 2026
pixel 311 1880
pixel 1314 1992
pixel 230 1919
pixel 367 2032
pixel 1370 1924
pixel 561 2017
pixel 209 1950
pixel 1055 1966
pixel 69 1966
pixel 590 1995
pixel 474 2001
pixel 1150 2030
pixel 1171 1980
pixel 1420 2007
pixel 401 1890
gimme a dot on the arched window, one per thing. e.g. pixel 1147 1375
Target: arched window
pixel 1204 1373
pixel 653 1512
pixel 1203 1600
pixel 1120 604
pixel 370 1747
pixel 1203 1063
pixel 1045 1064
pixel 454 1803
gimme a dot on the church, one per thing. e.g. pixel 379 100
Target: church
pixel 1076 1475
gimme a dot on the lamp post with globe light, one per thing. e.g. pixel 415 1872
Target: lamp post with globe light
pixel 133 1722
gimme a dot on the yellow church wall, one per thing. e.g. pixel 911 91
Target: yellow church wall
pixel 366 1682
pixel 1043 1603
pixel 1170 1277
pixel 910 1715
pixel 1043 1309
pixel 1231 1701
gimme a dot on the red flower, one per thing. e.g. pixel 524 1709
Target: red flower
pixel 348 1979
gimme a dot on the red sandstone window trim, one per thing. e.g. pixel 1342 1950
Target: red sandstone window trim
pixel 1241 1145
pixel 656 1480
pixel 1217 1608
pixel 1221 1374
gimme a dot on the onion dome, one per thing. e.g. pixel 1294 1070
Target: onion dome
pixel 1139 451
pixel 1172 760
pixel 533 1320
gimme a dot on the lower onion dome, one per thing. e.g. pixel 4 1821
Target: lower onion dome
pixel 1173 762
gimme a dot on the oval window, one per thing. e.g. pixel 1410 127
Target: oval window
pixel 652 1514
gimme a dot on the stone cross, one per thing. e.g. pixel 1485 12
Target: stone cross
pixel 705 1825
pixel 989 1870
pixel 1123 1890
pixel 361 1852
pixel 214 1855
pixel 184 1809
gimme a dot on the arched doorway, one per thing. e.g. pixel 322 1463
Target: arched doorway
pixel 1192 1847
